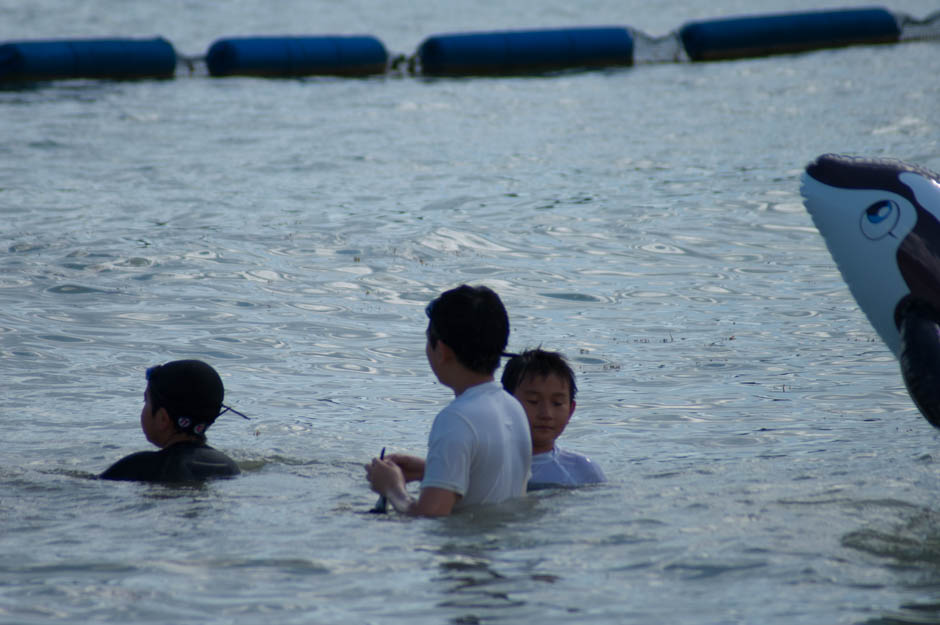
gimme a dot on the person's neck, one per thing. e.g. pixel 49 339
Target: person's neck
pixel 467 379
pixel 181 437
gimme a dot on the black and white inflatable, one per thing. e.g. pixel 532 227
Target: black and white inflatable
pixel 880 219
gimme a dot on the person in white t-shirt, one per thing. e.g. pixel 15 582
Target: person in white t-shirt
pixel 544 383
pixel 479 448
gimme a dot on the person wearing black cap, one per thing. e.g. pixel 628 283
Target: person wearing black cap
pixel 183 398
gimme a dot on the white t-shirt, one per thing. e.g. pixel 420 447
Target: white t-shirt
pixel 480 447
pixel 559 467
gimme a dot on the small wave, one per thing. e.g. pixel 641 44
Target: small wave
pixel 76 289
pixel 710 569
pixel 573 297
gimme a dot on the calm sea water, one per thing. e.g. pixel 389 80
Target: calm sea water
pixel 766 464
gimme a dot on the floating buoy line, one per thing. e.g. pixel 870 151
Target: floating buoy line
pixel 494 53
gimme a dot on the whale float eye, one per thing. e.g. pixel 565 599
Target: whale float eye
pixel 879 219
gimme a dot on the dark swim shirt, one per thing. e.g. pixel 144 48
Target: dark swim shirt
pixel 182 462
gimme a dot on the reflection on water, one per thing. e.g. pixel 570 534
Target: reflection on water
pixel 910 544
pixel 473 585
pixel 913 544
pixel 479 583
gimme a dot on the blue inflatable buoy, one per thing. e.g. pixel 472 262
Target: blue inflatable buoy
pixel 880 219
pixel 735 38
pixel 87 58
pixel 525 52
pixel 359 55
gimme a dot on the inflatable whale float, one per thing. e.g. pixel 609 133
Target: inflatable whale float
pixel 880 219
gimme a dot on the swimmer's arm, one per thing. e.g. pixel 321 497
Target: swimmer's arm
pixel 412 467
pixel 386 478
pixel 432 502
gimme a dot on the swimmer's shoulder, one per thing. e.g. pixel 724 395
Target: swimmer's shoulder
pixel 139 466
pixel 200 461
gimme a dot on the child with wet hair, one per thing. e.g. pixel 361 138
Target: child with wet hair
pixel 182 399
pixel 479 447
pixel 544 383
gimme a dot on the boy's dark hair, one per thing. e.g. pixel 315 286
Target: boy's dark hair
pixel 537 363
pixel 473 322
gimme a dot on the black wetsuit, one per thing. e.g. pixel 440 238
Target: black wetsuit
pixel 182 462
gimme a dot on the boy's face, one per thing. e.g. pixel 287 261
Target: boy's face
pixel 548 405
pixel 154 424
pixel 148 419
pixel 432 352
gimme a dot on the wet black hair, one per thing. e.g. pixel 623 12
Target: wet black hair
pixel 537 363
pixel 472 321
pixel 190 391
